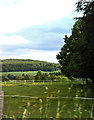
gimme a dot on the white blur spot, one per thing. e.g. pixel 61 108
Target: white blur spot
pixel 12 40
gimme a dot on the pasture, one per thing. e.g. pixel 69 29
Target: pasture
pixel 47 100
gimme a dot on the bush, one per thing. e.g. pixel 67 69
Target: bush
pixel 5 79
pixel 72 78
pixel 64 78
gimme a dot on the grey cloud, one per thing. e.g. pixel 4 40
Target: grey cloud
pixel 48 36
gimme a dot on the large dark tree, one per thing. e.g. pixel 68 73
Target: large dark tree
pixel 77 55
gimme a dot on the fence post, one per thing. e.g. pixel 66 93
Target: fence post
pixel 92 112
pixel 33 81
pixel 43 81
pixel 24 81
pixel 1 103
pixel 15 81
pixel 51 81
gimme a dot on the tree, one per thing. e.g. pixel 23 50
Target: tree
pixel 38 77
pixel 88 10
pixel 53 77
pixel 27 77
pixel 45 76
pixel 77 55
pixel 70 55
pixel 5 79
pixel 19 77
pixel 11 77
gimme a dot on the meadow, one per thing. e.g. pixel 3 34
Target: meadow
pixel 47 100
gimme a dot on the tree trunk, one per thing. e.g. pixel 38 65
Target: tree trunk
pixel 92 81
pixel 87 81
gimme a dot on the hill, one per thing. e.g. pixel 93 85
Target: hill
pixel 15 65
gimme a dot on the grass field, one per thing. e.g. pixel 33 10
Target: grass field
pixel 45 100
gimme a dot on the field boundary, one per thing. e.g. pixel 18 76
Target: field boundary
pixel 48 97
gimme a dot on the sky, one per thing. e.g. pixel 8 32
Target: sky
pixel 35 29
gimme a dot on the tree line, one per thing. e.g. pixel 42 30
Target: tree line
pixel 15 65
pixel 39 77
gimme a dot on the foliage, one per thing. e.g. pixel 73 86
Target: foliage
pixel 28 77
pixel 77 55
pixel 14 65
pixel 38 77
pixel 5 79
pixel 45 76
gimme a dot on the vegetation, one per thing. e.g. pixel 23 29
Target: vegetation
pixel 14 65
pixel 35 75
pixel 20 104
pixel 38 89
pixel 77 55
pixel 55 94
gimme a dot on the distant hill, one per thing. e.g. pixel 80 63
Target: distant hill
pixel 15 65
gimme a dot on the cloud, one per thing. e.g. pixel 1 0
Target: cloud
pixel 25 13
pixel 42 55
pixel 48 36
pixel 40 41
pixel 34 28
pixel 59 26
pixel 12 40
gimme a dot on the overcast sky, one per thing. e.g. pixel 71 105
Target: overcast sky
pixel 34 29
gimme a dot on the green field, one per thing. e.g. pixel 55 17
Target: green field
pixel 47 100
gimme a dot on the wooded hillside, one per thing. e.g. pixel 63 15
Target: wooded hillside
pixel 12 65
